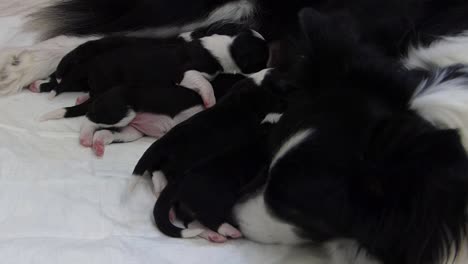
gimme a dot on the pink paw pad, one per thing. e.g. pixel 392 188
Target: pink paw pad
pixel 217 238
pixel 229 231
pixel 98 148
pixel 34 87
pixel 82 99
pixel 172 215
pixel 86 141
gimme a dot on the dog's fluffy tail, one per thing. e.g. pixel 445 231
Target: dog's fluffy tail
pixel 88 17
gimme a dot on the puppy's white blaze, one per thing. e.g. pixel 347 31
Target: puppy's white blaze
pixel 258 35
pixel 258 77
pixel 444 103
pixel 272 118
pixel 444 52
pixel 294 141
pixel 218 46
pixel 195 80
pixel 257 224
pixel 159 182
pixel 191 233
pixel 53 115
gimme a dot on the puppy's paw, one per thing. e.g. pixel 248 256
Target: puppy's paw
pixel 15 70
pixel 228 230
pixel 82 99
pixel 100 140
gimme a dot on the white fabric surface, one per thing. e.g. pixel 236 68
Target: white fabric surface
pixel 59 204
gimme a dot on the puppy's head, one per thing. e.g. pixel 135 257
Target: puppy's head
pixel 249 51
pixel 352 161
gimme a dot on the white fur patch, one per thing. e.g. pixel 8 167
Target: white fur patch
pixel 236 11
pixel 159 182
pixel 293 141
pixel 53 115
pixel 187 36
pixel 256 223
pixel 218 46
pixel 444 52
pixel 196 81
pixel 186 114
pixel 258 77
pixel 19 67
pixel 444 102
pixel 272 118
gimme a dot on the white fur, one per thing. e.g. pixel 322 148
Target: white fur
pixel 237 11
pixel 53 115
pixel 218 46
pixel 159 182
pixel 195 80
pixel 444 52
pixel 444 103
pixel 293 141
pixel 258 224
pixel 258 77
pixel 186 114
pixel 187 36
pixel 258 35
pixel 272 118
pixel 19 67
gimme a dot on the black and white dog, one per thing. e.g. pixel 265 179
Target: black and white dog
pixel 223 134
pixel 404 212
pixel 138 85
pixel 364 151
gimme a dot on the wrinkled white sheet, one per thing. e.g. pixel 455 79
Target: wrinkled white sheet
pixel 61 205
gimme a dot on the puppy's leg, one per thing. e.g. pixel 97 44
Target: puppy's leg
pixel 106 137
pixel 110 110
pixel 19 67
pixel 207 233
pixel 195 80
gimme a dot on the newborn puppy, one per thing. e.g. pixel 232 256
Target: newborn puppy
pixel 175 104
pixel 229 124
pixel 187 59
pixel 206 193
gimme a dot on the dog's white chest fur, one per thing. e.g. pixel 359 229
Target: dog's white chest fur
pixel 258 224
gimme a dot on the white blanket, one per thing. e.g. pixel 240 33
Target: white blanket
pixel 59 204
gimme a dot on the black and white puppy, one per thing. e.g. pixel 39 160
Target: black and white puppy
pixel 204 196
pixel 235 121
pixel 146 78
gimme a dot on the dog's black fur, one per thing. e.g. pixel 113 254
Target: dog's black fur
pixel 372 169
pixel 220 130
pixel 208 191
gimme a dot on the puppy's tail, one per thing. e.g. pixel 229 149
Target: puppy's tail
pixel 161 216
pixel 67 112
pixel 88 17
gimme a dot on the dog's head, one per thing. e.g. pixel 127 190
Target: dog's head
pixel 353 161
